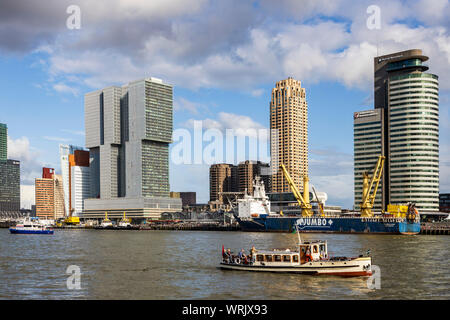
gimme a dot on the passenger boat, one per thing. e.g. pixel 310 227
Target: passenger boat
pixel 30 227
pixel 311 257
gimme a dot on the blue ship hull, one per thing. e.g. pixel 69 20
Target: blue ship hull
pixel 330 224
pixel 15 231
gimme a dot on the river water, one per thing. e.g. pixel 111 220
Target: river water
pixel 183 265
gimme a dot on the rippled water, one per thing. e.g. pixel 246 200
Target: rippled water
pixel 183 265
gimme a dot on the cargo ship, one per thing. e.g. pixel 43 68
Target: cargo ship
pixel 254 214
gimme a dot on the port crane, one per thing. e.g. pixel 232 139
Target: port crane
pixel 368 198
pixel 303 201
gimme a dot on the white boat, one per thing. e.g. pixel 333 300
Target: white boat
pixel 106 223
pixel 27 226
pixel 124 222
pixel 311 257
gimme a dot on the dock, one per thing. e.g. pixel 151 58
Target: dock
pixel 435 228
pixel 193 226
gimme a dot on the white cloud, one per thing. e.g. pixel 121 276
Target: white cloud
pixel 30 166
pixel 242 125
pixel 59 139
pixel 64 88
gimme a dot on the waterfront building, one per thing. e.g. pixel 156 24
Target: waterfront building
pixel 221 180
pixel 49 195
pixel 227 181
pixel 368 134
pixel 9 178
pixel 9 187
pixel 444 202
pixel 65 151
pixel 79 180
pixel 289 119
pixel 187 198
pixel 247 171
pixel 3 142
pixel 128 131
pixel 409 98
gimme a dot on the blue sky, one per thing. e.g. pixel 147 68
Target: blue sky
pixel 221 57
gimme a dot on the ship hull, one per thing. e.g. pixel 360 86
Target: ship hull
pixel 16 231
pixel 330 225
pixel 348 268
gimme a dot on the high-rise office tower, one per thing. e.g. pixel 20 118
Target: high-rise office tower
pixel 79 181
pixel 289 120
pixel 65 151
pixel 409 98
pixel 3 141
pixel 368 128
pixel 128 131
pixel 9 177
pixel 49 195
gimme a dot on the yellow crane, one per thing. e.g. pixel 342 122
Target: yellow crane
pixel 368 198
pixel 303 201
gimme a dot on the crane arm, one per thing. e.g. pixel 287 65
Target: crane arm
pixel 294 189
pixel 302 201
pixel 368 198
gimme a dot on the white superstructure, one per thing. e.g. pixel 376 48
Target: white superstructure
pixel 254 205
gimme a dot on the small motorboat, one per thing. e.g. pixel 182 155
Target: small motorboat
pixel 311 257
pixel 27 226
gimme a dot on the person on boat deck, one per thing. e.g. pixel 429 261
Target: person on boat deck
pixel 242 254
pixel 253 254
pixel 308 255
pixel 230 257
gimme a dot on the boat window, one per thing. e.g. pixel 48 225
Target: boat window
pixel 315 249
pixel 322 248
pixel 259 257
pixel 286 258
pixel 295 258
pixel 277 258
pixel 268 258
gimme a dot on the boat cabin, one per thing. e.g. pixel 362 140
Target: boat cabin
pixel 313 251
pixel 308 251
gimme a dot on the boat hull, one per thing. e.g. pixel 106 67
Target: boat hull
pixel 16 231
pixel 330 225
pixel 358 267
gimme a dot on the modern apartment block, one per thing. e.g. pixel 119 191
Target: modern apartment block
pixel 128 131
pixel 220 180
pixel 289 137
pixel 49 195
pixel 238 179
pixel 247 171
pixel 79 181
pixel 409 98
pixel 9 178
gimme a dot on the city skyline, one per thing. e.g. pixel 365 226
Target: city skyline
pixel 56 87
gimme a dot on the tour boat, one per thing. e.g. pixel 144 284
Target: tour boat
pixel 30 227
pixel 311 257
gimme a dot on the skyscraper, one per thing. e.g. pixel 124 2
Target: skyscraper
pixel 9 177
pixel 289 119
pixel 65 151
pixel 128 131
pixel 3 142
pixel 409 99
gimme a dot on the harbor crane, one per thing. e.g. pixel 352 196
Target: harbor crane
pixel 368 198
pixel 303 201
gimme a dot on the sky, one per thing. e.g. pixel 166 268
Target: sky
pixel 223 58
